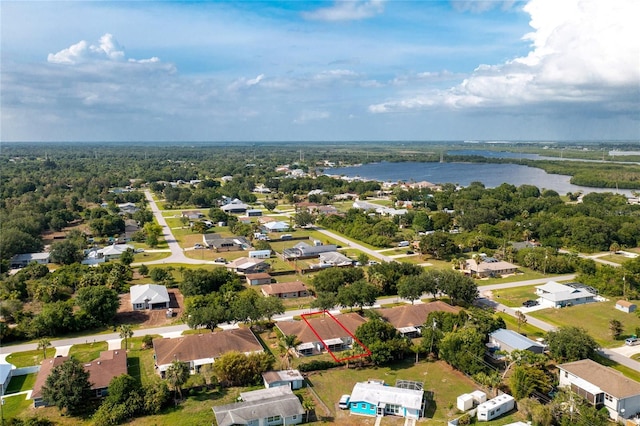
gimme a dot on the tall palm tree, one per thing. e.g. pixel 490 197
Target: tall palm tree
pixel 308 406
pixel 287 344
pixel 177 375
pixel 43 344
pixel 125 333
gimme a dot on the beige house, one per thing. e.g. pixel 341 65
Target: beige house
pixel 288 290
pixel 409 319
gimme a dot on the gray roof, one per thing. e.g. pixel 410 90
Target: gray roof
pixel 557 292
pixel 152 293
pixel 513 340
pixel 279 401
pixel 335 258
pixel 375 393
pixel 281 376
pixel 30 256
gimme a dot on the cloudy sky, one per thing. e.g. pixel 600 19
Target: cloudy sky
pixel 319 70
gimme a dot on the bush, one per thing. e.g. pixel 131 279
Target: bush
pixel 317 365
pixel 147 341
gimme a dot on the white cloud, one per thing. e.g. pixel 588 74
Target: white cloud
pixel 107 49
pixel 583 52
pixel 309 115
pixel 349 10
pixel 245 82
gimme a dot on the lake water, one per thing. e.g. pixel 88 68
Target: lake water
pixel 491 175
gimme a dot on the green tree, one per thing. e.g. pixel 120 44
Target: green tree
pixel 202 281
pixel 177 375
pixel 156 396
pixel 66 252
pixel 126 332
pixel 126 258
pixel 464 350
pixel 569 344
pixel 440 245
pixel 308 406
pixel 524 380
pixel 324 301
pixel 143 270
pixel 410 287
pixel 67 387
pixel 100 304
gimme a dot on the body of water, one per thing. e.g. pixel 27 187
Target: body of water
pixel 491 175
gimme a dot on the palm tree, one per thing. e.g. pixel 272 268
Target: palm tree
pixel 125 333
pixel 43 344
pixel 177 375
pixel 287 343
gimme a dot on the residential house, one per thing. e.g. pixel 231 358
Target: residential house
pixel 192 214
pixel 382 210
pixel 149 296
pixel 287 290
pixel 224 244
pixel 558 295
pixel 323 333
pixel 374 398
pixel 290 378
pixel 110 364
pixel 245 265
pixel 334 258
pixel 130 228
pixel 260 254
pixel 489 267
pixel 602 387
pixel 113 252
pixel 254 212
pixel 509 340
pixel 276 226
pixel 127 208
pixel 303 250
pixel 626 306
pixel 235 206
pixel 201 349
pixel 264 407
pixel 258 279
pixel 22 260
pixel 409 319
pixel 5 376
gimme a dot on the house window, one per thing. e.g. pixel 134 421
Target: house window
pixel 566 374
pixel 363 406
pixel 273 419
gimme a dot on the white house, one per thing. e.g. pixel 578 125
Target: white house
pixel 603 387
pixel 276 226
pixel 22 260
pixel 495 407
pixel 5 376
pixel 149 296
pixel 264 407
pixel 558 295
pixel 114 251
pixel 374 398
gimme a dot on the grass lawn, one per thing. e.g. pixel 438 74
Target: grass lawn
pixel 21 383
pixel 87 352
pixel 438 377
pixel 514 297
pixel 15 406
pixel 615 258
pixel 593 317
pixel 140 362
pixel 149 257
pixel 29 358
pixel 528 330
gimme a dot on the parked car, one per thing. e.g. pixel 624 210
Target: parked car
pixel 221 260
pixel 530 303
pixel 198 246
pixel 344 402
pixel 632 341
pixel 373 262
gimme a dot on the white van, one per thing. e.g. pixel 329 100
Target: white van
pixel 403 244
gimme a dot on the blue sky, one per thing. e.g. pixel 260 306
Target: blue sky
pixel 319 70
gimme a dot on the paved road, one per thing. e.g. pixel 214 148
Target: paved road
pixel 177 253
pixel 354 245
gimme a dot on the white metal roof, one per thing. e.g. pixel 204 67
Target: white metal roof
pixel 376 393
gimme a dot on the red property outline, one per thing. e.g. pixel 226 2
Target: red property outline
pixel 366 353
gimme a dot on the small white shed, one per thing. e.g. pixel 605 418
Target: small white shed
pixel 465 402
pixel 626 306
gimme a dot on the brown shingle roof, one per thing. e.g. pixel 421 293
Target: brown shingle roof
pixel 326 327
pixel 609 380
pixel 199 346
pixel 110 364
pixel 288 287
pixel 414 315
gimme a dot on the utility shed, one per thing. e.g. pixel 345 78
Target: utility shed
pixel 626 306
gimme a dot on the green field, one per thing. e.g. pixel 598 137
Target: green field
pixel 593 317
pixel 87 352
pixel 29 358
